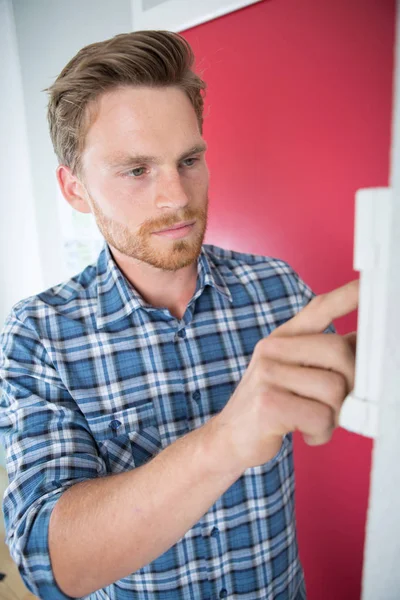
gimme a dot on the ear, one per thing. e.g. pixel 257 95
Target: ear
pixel 72 189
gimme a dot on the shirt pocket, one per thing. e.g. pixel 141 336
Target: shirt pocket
pixel 127 438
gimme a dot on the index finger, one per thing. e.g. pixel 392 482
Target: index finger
pixel 321 311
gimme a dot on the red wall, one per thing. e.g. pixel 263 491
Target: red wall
pixel 298 117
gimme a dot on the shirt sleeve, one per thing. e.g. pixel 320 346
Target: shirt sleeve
pixel 48 448
pixel 306 295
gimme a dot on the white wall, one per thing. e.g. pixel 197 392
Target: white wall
pixel 37 39
pixel 49 33
pixel 20 269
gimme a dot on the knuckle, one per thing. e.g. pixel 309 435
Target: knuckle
pixel 267 346
pixel 269 370
pixel 259 347
pixel 272 345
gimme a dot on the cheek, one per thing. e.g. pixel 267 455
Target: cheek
pixel 115 198
pixel 198 179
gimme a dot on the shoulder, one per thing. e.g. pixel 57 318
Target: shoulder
pixel 73 297
pixel 265 278
pixel 248 268
pixel 238 260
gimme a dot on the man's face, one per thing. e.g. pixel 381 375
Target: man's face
pixel 131 198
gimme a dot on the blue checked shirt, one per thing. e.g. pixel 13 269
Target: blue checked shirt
pixel 96 381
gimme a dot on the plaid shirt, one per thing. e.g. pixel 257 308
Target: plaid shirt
pixel 96 381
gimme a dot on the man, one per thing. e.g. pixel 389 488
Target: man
pixel 149 402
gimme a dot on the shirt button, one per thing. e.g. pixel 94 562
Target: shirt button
pixel 196 395
pixel 182 333
pixel 215 532
pixel 115 424
pixel 223 593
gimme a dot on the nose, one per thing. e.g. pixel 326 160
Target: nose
pixel 170 191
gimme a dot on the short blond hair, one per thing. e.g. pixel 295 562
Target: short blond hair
pixel 139 58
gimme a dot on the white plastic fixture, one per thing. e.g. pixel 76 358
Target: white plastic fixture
pixel 360 411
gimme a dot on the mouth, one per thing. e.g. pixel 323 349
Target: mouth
pixel 177 231
pixel 178 226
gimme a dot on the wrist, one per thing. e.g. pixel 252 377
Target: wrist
pixel 233 454
pixel 217 441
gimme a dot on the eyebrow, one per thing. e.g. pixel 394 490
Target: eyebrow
pixel 122 160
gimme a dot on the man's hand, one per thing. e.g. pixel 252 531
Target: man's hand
pixel 297 379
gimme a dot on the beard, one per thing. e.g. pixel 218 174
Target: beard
pixel 166 253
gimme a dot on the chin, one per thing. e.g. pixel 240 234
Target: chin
pixel 166 254
pixel 179 257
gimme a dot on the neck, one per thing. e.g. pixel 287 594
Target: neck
pixel 159 288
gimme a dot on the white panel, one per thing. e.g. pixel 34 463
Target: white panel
pixel 178 15
pixel 373 219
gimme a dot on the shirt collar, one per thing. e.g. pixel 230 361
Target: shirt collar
pixel 117 297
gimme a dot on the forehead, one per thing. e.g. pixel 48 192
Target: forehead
pixel 149 120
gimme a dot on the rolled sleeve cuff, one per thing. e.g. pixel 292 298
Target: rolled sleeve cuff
pixel 35 565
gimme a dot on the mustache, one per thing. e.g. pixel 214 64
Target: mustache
pixel 150 226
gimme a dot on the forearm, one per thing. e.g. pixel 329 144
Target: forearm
pixel 104 529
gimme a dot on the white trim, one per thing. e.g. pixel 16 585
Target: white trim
pixel 178 15
pixel 381 574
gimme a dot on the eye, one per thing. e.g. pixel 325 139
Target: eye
pixel 134 172
pixel 190 159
